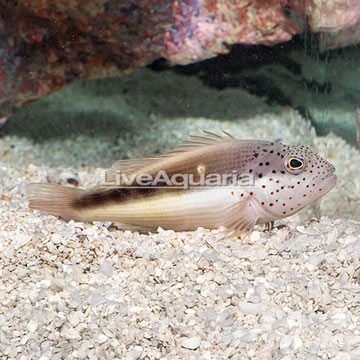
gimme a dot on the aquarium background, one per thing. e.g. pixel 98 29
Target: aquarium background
pixel 322 87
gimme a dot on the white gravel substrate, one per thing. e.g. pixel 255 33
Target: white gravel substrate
pixel 89 290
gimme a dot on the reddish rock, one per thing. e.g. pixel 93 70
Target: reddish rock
pixel 338 21
pixel 49 43
pixel 46 44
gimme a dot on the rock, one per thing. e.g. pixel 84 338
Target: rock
pixel 134 353
pixel 21 240
pixel 102 338
pixel 32 326
pixel 106 268
pixel 62 177
pixel 255 236
pixel 297 343
pixel 107 38
pixel 286 344
pixel 70 333
pixel 191 343
pixel 250 308
pixel 340 320
pixel 75 317
pixel 226 292
pixel 58 284
pixel 339 22
pixel 78 275
pixel 56 239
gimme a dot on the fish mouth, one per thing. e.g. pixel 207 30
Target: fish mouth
pixel 331 175
pixel 328 183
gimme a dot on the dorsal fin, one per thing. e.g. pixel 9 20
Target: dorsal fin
pixel 131 166
pixel 197 141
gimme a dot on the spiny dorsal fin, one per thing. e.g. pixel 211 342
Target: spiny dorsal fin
pixel 131 166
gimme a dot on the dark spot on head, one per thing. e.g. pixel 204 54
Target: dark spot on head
pixel 267 163
pixel 251 193
pixel 263 186
pixel 271 204
pixel 282 171
pixel 260 176
pixel 274 172
pixel 261 164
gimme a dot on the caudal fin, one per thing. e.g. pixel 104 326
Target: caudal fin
pixel 55 199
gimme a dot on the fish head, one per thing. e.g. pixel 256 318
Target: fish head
pixel 288 178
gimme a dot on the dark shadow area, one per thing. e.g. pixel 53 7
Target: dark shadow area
pixel 111 106
pixel 250 80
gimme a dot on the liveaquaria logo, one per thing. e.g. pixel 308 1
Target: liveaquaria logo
pixel 185 181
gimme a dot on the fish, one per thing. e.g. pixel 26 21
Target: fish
pixel 257 182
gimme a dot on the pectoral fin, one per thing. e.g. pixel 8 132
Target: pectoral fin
pixel 240 220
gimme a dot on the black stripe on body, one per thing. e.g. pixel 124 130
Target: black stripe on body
pixel 118 195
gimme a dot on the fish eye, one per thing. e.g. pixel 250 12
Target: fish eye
pixel 294 164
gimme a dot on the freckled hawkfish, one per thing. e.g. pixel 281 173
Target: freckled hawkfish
pixel 282 180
